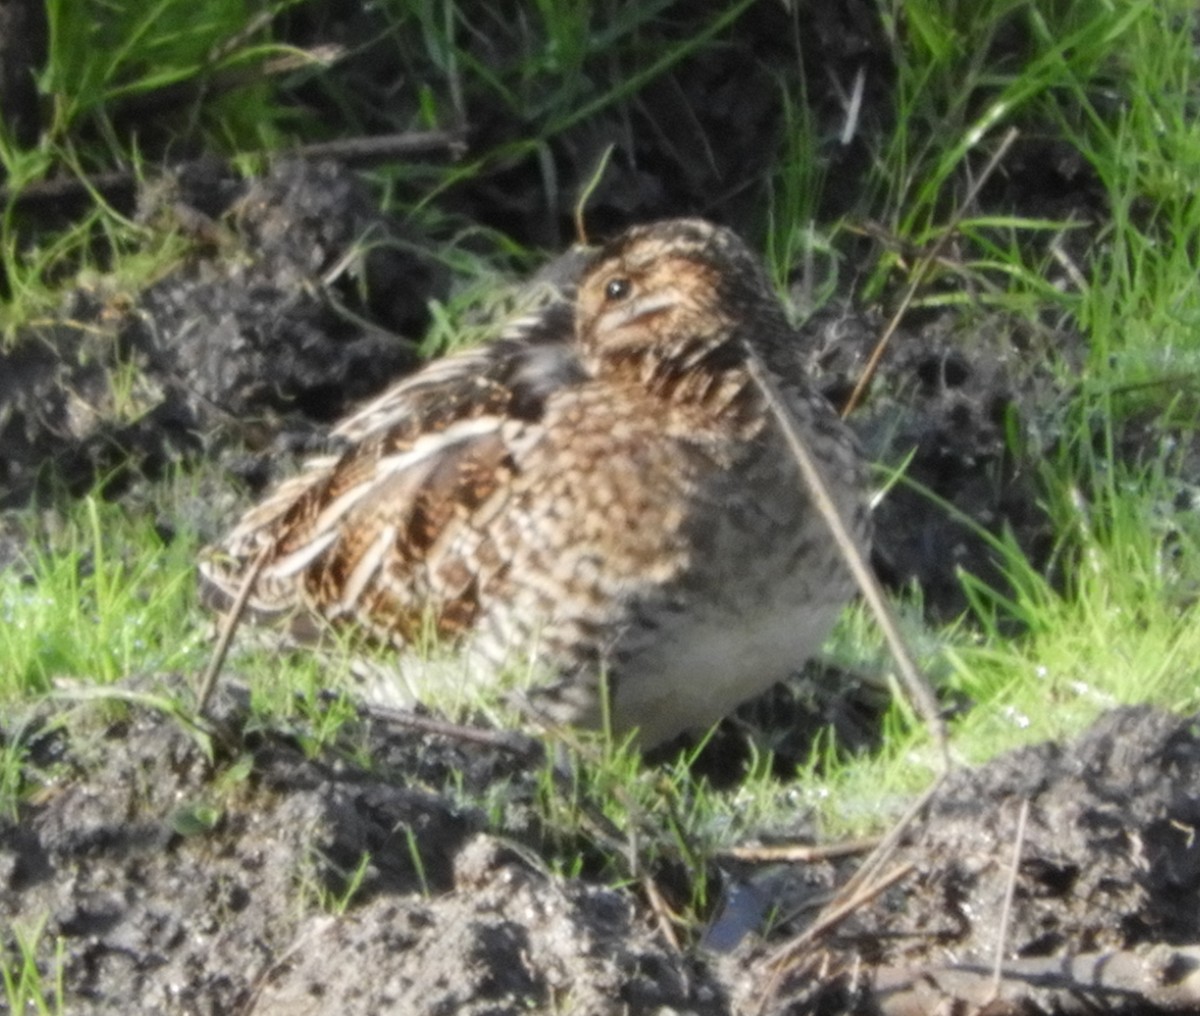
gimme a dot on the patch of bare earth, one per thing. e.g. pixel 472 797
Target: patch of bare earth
pixel 252 877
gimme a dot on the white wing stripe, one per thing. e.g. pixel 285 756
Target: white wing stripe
pixel 367 566
pixel 433 445
pixel 288 566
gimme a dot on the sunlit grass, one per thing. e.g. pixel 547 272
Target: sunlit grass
pixel 1119 626
pixel 28 987
pixel 100 599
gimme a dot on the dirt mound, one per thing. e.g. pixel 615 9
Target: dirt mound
pixel 1108 859
pixel 188 877
pixel 242 874
pixel 1108 877
pixel 264 329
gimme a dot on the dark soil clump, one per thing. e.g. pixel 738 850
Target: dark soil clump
pixel 1109 869
pixel 191 876
pixel 187 883
pixel 263 330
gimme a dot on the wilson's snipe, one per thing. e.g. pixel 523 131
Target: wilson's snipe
pixel 603 504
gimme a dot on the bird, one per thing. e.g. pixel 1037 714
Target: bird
pixel 600 500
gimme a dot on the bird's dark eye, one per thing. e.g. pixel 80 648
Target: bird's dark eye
pixel 617 289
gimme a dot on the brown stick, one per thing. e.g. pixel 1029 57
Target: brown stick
pixel 922 269
pixel 229 625
pixel 862 887
pixel 503 740
pixel 369 151
pixel 1009 891
pixel 1163 978
pixel 799 853
pixel 920 694
pixel 361 151
pixel 833 915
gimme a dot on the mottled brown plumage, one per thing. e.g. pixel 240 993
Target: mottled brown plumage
pixel 611 497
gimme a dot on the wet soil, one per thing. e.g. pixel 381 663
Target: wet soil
pixel 237 869
pixel 241 874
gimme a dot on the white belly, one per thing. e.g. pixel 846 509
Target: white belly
pixel 693 677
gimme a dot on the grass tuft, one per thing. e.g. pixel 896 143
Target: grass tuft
pixel 27 987
pixel 100 598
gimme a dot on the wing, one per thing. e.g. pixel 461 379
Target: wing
pixel 362 545
pixel 358 533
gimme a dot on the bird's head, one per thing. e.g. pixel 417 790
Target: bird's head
pixel 678 292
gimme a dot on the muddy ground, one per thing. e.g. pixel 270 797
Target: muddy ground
pixel 235 869
pixel 241 875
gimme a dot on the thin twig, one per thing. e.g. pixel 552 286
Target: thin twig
pixel 922 270
pixel 1160 979
pixel 367 151
pixel 1006 910
pixel 887 846
pixel 229 625
pixel 854 892
pixel 361 151
pixel 664 917
pixel 919 692
pixel 800 853
pixel 918 689
pixel 830 918
pixel 504 740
